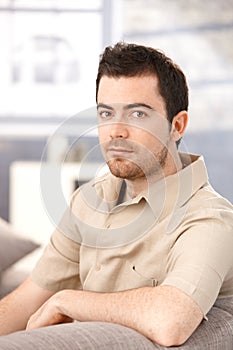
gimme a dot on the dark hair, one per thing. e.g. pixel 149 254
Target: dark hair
pixel 130 60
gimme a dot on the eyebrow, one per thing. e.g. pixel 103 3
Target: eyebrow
pixel 126 107
pixel 135 105
pixel 102 105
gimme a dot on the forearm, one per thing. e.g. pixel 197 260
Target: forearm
pixel 118 307
pixel 158 313
pixel 12 315
pixel 147 310
pixel 17 307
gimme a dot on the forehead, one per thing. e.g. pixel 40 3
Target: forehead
pixel 129 89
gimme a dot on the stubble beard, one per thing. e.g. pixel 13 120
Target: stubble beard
pixel 129 170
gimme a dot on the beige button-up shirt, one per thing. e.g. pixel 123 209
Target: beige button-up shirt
pixel 178 233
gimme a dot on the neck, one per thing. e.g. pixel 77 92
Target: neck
pixel 138 185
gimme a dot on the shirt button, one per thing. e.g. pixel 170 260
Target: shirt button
pixel 98 267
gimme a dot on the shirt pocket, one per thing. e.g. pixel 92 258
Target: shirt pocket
pixel 140 276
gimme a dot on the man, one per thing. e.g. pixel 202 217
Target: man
pixel 143 245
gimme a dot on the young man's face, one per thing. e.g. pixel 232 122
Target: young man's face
pixel 134 132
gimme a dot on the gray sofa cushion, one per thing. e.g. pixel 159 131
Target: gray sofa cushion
pixel 12 245
pixel 214 334
pixel 75 336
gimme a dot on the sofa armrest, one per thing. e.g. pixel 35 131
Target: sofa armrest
pixel 214 334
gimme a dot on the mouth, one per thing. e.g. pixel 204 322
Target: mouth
pixel 114 152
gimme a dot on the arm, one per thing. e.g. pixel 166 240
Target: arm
pixel 18 306
pixel 164 314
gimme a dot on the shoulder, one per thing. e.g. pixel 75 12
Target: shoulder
pixel 208 203
pixel 206 214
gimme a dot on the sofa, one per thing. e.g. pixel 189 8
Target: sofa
pixel 18 253
pixel 16 256
pixel 214 334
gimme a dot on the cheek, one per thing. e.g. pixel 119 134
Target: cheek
pixel 147 139
pixel 156 132
pixel 151 144
pixel 159 136
pixel 103 133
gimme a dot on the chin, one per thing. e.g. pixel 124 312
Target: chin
pixel 125 169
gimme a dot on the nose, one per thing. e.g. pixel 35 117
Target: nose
pixel 119 130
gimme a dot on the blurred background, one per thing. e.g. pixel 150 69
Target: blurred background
pixel 48 63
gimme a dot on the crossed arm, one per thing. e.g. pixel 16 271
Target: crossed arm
pixel 164 314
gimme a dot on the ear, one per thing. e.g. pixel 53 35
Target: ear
pixel 179 124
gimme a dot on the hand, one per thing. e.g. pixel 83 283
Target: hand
pixel 49 314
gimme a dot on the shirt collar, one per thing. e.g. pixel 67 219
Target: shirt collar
pixel 165 195
pixel 175 190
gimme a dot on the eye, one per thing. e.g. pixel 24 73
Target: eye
pixel 105 114
pixel 138 114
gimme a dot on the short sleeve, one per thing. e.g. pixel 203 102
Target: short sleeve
pixel 201 260
pixel 58 267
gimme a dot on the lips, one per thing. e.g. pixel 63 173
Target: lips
pixel 118 149
pixel 117 152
